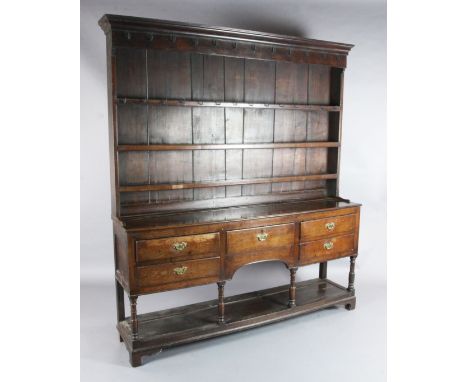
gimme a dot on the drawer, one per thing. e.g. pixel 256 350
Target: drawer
pixel 326 249
pixel 259 239
pixel 177 248
pixel 332 226
pixel 154 275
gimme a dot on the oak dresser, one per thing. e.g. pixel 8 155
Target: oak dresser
pixel 224 151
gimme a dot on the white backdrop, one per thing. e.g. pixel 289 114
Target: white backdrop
pixel 363 161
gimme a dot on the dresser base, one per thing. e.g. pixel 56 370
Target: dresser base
pixel 181 325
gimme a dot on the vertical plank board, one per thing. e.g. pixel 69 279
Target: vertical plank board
pixel 288 162
pixel 234 131
pixel 169 125
pixel 213 78
pixel 168 74
pixel 259 81
pixel 258 124
pixel 131 82
pixel 133 167
pixel 258 128
pixel 291 86
pixel 209 165
pixel 316 163
pixel 208 124
pixel 132 124
pixel 317 126
pixel 234 79
pixel 133 170
pixel 234 92
pixel 233 171
pixel 170 167
pixel 208 127
pixel 197 78
pixel 257 164
pixel 319 84
pixel 234 125
pixel 290 125
pixel 131 72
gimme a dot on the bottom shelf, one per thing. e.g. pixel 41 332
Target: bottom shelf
pixel 163 329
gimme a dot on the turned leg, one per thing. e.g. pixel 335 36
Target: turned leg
pixel 221 302
pixel 323 271
pixel 119 295
pixel 292 288
pixel 351 274
pixel 134 319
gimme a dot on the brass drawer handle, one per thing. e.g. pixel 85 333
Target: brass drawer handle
pixel 180 246
pixel 262 236
pixel 180 270
pixel 328 245
pixel 330 226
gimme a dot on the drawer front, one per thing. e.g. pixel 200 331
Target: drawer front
pixel 176 248
pixel 154 275
pixel 326 249
pixel 332 226
pixel 259 239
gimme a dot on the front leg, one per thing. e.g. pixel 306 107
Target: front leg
pixel 221 302
pixel 133 317
pixel 351 274
pixel 119 296
pixel 292 288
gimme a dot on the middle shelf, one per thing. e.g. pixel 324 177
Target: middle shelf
pixel 243 105
pixel 172 147
pixel 223 183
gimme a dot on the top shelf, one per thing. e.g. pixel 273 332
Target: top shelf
pixel 176 102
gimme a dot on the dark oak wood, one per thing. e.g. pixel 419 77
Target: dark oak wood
pixel 134 318
pixel 259 239
pixel 180 186
pixel 326 249
pixel 123 148
pixel 336 225
pixel 292 288
pixel 177 248
pixel 225 151
pixel 158 276
pixel 178 326
pixel 243 105
pixel 221 302
pixel 323 270
pixel 351 274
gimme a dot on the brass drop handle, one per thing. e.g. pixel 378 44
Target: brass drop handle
pixel 180 246
pixel 328 245
pixel 262 236
pixel 330 226
pixel 180 270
